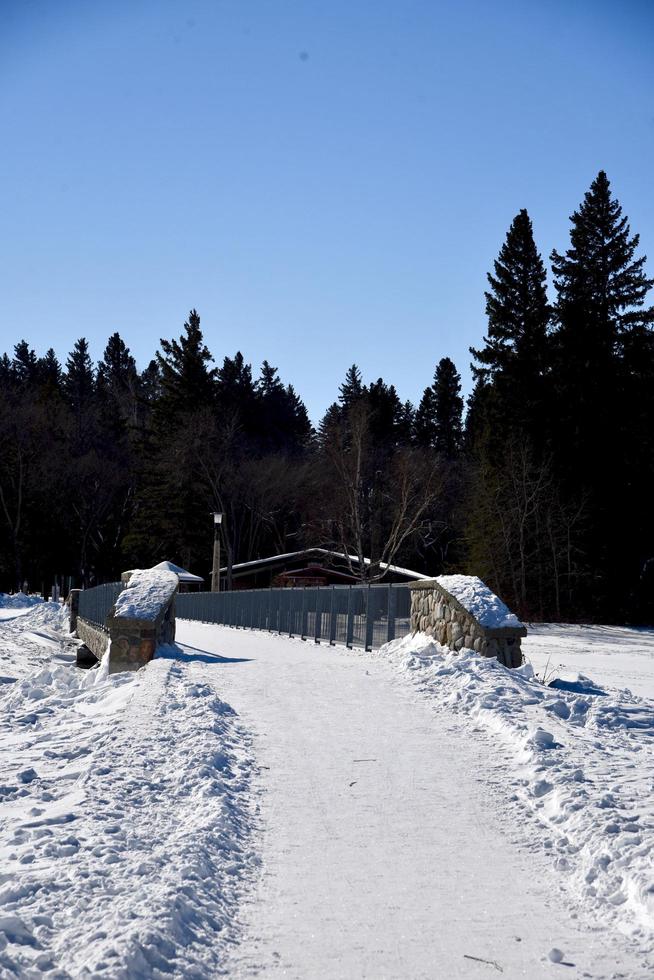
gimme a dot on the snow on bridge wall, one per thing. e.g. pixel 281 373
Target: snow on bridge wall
pixel 142 619
pixel 460 611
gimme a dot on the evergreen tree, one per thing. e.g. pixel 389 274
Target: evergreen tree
pixel 448 409
pixel 150 384
pixel 6 373
pixel 283 421
pixel 236 395
pixel 352 388
pixel 117 383
pixel 79 390
pixel 187 382
pixel 331 421
pixel 166 513
pixel 602 320
pixel 49 372
pixel 424 426
pixel 117 369
pixel 601 286
pixel 79 380
pixel 405 423
pixel 24 364
pixel 386 413
pixel 516 353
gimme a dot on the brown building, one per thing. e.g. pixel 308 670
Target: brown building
pixel 311 566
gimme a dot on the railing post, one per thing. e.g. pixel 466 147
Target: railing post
pixel 392 606
pixel 332 618
pixel 318 620
pixel 303 618
pixel 73 597
pixel 349 632
pixel 370 619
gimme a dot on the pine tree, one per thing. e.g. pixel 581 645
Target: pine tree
pixel 187 382
pixel 117 383
pixel 601 316
pixel 515 357
pixel 424 426
pixel 352 388
pixel 448 409
pixel 49 372
pixel 331 421
pixel 386 414
pixel 283 421
pixel 25 365
pixel 117 368
pixel 79 380
pixel 601 287
pixel 79 391
pixel 236 395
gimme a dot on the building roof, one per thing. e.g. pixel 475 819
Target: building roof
pixel 246 566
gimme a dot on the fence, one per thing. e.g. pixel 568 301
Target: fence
pixel 359 615
pixel 94 604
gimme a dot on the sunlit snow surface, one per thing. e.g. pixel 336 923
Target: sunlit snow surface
pixel 475 596
pixel 577 753
pixel 132 807
pixel 124 833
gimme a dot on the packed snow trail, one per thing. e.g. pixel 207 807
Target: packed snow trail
pixel 385 852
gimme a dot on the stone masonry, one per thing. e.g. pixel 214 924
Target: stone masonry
pixel 135 638
pixel 439 614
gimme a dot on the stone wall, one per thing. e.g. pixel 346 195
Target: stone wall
pixel 138 627
pixel 438 613
pixel 93 637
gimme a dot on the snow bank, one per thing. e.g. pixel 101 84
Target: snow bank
pixel 126 827
pixel 32 638
pixel 19 600
pixel 146 593
pixel 477 599
pixel 579 762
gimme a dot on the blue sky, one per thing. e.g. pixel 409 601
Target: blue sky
pixel 324 182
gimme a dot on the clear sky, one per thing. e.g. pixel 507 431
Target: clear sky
pixel 326 182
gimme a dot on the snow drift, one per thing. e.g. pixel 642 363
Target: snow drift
pixel 125 838
pixel 578 761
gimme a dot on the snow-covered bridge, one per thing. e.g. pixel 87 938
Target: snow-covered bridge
pixel 249 804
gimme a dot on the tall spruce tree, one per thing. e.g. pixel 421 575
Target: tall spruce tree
pixel 424 423
pixel 49 372
pixel 601 318
pixel 508 411
pixel 187 382
pixel 169 499
pixel 352 388
pixel 79 390
pixel 448 409
pixel 117 383
pixel 25 364
pixel 515 357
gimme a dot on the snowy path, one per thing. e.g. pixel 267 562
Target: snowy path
pixel 383 852
pixel 254 806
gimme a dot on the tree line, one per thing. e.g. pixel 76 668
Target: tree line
pixel 542 487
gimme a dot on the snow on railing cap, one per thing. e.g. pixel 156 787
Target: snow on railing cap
pixel 477 599
pixel 146 593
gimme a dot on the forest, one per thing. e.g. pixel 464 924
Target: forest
pixel 542 484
